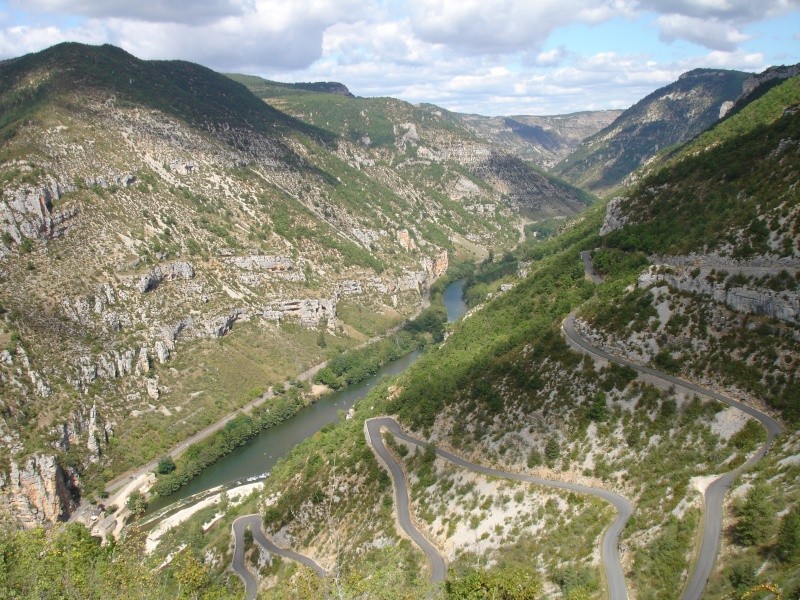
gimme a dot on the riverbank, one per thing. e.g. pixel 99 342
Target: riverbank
pixel 142 479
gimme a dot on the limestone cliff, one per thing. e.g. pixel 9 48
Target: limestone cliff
pixel 38 491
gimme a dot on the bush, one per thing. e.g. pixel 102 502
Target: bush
pixel 165 465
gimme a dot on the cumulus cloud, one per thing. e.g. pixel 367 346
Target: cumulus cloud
pixel 715 24
pixel 159 11
pixel 478 26
pixel 224 34
pixel 551 58
pixel 710 33
pixel 22 39
pixel 731 10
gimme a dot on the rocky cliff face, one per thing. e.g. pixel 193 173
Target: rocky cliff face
pixel 773 74
pixel 38 491
pixel 781 305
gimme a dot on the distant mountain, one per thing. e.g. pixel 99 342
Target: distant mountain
pixel 730 191
pixel 670 115
pixel 541 140
pixel 467 151
pixel 766 98
pixel 261 87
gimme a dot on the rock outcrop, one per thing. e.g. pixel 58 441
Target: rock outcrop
pixel 784 306
pixel 27 211
pixel 771 74
pixel 169 272
pixel 615 217
pixel 39 491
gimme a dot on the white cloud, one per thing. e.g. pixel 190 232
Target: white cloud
pixel 739 11
pixel 478 26
pixel 20 39
pixel 710 33
pixel 160 11
pixel 551 58
pixel 467 55
pixel 715 24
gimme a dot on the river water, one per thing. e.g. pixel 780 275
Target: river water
pixel 257 458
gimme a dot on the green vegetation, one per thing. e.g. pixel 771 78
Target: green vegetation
pixel 356 365
pixel 237 432
pixel 733 194
pixel 788 546
pixel 165 465
pixel 499 583
pixel 70 563
pixel 755 517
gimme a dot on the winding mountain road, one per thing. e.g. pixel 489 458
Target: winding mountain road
pixel 609 551
pixel 715 493
pixel 254 523
pixel 372 431
pixel 713 497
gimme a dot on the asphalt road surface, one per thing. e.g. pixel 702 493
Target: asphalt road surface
pixel 254 523
pixel 715 493
pixel 609 550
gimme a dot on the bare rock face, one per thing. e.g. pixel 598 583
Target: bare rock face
pixel 436 266
pixel 261 263
pixel 404 238
pixel 310 311
pixel 162 352
pixel 143 362
pixel 39 492
pixel 222 325
pixel 615 218
pixel 151 385
pixel 27 212
pixel 784 306
pixel 781 72
pixel 350 288
pixel 168 272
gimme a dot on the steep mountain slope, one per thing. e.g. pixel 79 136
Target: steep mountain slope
pixel 507 390
pixel 171 247
pixel 429 147
pixel 670 115
pixel 765 99
pixel 543 140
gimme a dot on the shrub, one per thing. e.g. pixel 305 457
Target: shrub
pixel 165 465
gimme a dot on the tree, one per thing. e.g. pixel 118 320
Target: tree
pixel 192 575
pixel 789 536
pixel 755 514
pixel 552 451
pixel 165 465
pixel 598 410
pixel 137 504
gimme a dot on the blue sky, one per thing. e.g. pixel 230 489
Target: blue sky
pixel 485 56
